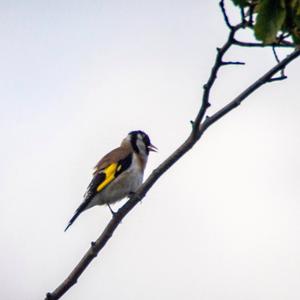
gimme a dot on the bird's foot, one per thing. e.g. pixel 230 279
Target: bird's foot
pixel 131 194
pixel 112 212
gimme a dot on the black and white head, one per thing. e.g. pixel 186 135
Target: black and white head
pixel 140 143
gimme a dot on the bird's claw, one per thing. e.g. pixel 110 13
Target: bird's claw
pixel 131 194
pixel 112 212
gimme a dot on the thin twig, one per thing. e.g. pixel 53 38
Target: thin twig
pixel 277 78
pixel 253 87
pixel 243 15
pixel 224 63
pixel 250 13
pixel 283 36
pixel 213 75
pixel 226 18
pixel 275 54
pixel 278 60
pixel 282 44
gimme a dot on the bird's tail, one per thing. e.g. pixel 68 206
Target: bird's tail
pixel 78 211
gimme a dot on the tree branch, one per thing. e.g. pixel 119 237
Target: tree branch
pixel 281 44
pixel 267 77
pixel 282 75
pixel 223 10
pixel 226 63
pixel 96 247
pixel 213 75
pixel 199 126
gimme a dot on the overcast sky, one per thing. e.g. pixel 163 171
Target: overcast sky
pixel 75 78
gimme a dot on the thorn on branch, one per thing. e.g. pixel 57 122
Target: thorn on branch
pixel 277 78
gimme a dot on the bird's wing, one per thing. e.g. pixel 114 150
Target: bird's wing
pixel 112 157
pixel 107 169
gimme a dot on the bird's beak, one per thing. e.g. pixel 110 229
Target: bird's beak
pixel 152 148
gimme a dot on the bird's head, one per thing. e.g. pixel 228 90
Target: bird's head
pixel 140 142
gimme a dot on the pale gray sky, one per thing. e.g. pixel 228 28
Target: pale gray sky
pixel 75 78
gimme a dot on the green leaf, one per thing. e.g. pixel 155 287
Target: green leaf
pixel 270 18
pixel 297 21
pixel 296 37
pixel 293 4
pixel 241 3
pixel 298 9
pixel 296 30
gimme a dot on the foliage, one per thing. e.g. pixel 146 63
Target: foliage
pixel 274 19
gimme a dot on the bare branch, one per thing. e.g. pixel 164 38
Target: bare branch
pixel 277 78
pixel 251 11
pixel 226 19
pixel 224 63
pixel 275 54
pixel 213 75
pixel 282 44
pixel 283 36
pixel 267 77
pixel 158 172
pixel 199 126
pixel 243 15
pixel 282 71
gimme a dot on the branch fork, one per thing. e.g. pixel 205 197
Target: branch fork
pixel 199 125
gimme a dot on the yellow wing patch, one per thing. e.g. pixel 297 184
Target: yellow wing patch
pixel 110 173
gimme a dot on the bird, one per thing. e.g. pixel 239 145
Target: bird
pixel 118 174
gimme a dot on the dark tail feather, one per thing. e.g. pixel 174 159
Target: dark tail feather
pixel 78 211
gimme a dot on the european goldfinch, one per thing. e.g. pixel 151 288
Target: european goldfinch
pixel 118 174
